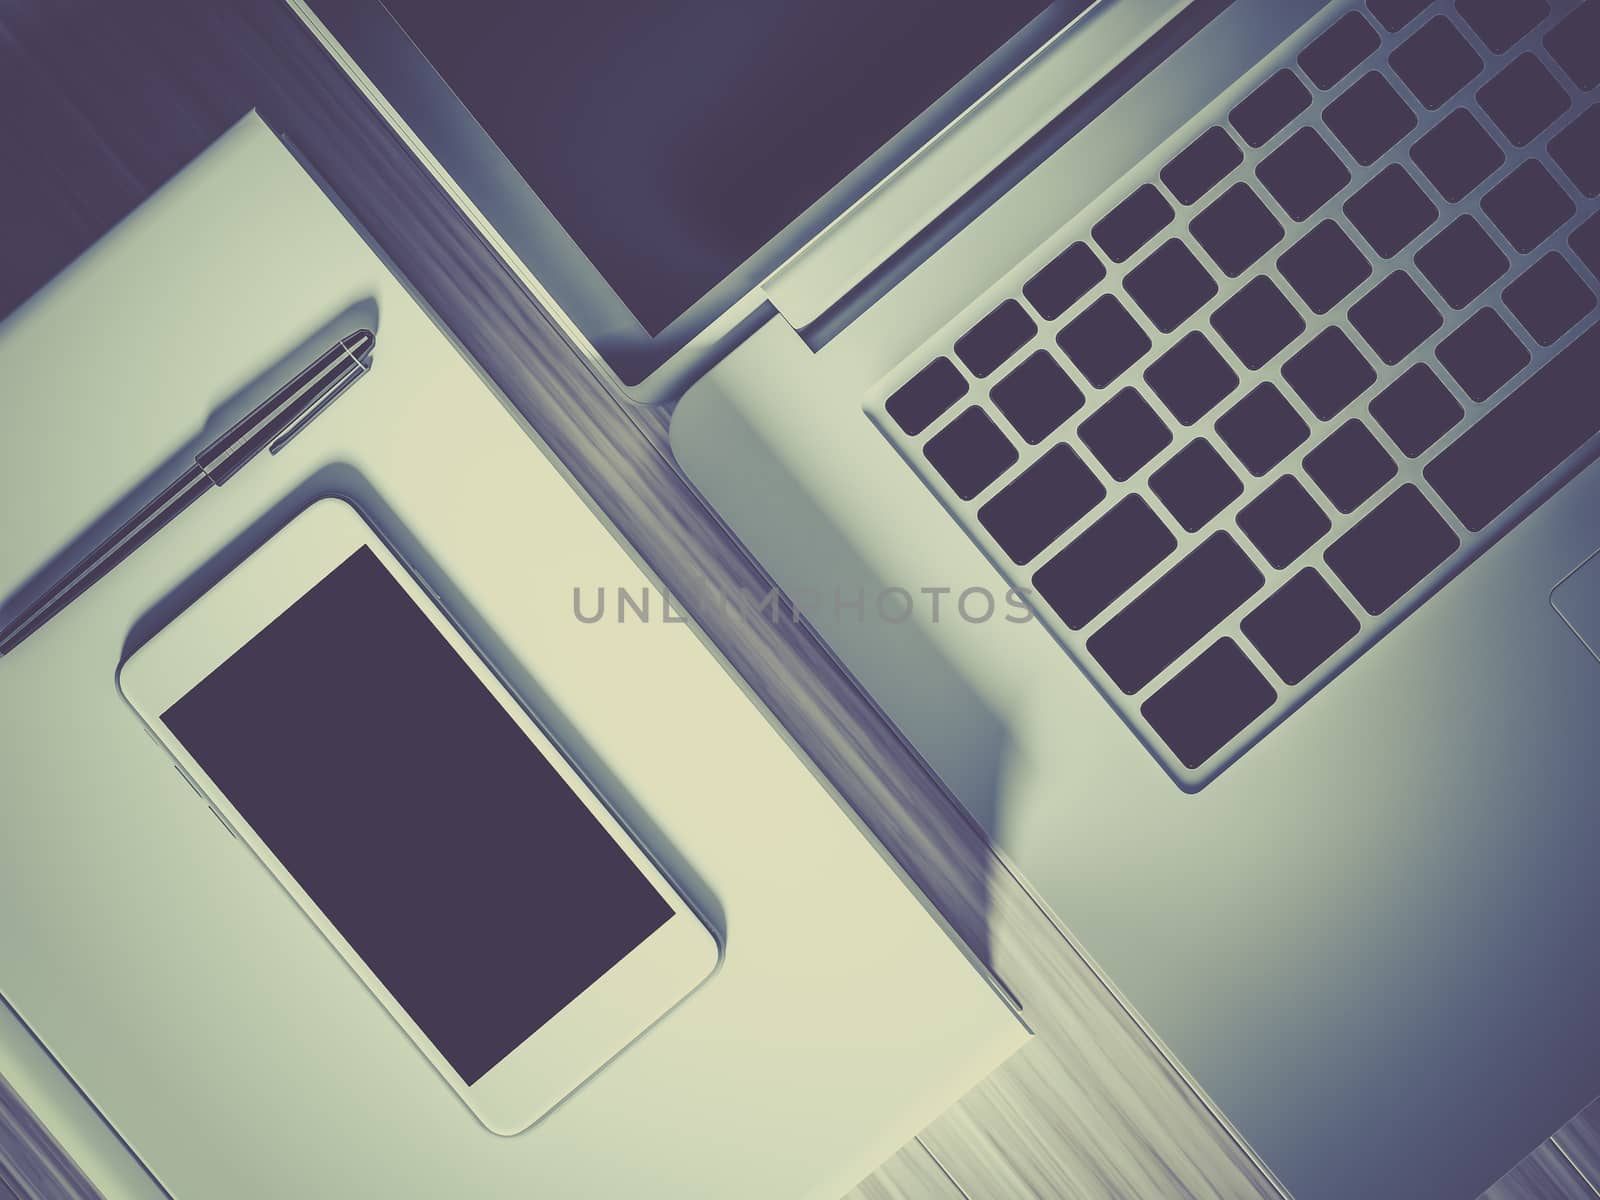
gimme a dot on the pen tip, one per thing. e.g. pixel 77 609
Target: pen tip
pixel 360 343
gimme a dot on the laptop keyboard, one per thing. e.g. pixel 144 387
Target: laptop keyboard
pixel 1234 424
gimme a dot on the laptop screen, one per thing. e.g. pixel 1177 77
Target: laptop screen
pixel 671 141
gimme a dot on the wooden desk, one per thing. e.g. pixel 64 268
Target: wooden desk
pixel 101 101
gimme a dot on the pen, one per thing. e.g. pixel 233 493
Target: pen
pixel 268 426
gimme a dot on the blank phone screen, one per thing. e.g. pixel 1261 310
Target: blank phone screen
pixel 412 809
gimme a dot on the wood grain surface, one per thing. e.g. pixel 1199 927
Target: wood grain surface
pixel 913 1174
pixel 1578 1141
pixel 102 100
pixel 32 1165
pixel 1546 1174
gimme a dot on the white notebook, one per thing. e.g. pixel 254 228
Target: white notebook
pixel 221 1038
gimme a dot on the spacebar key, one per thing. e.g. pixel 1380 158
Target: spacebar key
pixel 1523 438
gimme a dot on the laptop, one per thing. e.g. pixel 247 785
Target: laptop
pixel 1180 418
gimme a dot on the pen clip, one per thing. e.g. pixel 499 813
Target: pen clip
pixel 353 371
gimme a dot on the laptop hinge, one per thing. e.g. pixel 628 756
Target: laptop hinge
pixel 1019 123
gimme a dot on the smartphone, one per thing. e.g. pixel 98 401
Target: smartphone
pixel 346 732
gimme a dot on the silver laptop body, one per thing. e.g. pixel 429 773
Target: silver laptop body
pixel 1189 446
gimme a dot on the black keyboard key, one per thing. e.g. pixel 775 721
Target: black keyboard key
pixel 1324 267
pixel 1522 439
pixel 1303 174
pixel 1195 485
pixel 1175 612
pixel 1236 229
pixel 1395 317
pixel 1191 378
pixel 1391 549
pixel 1350 466
pixel 1329 373
pixel 926 396
pixel 1416 410
pixel 1202 165
pixel 1549 299
pixel 1339 50
pixel 970 453
pixel 1528 206
pixel 1262 429
pixel 1396 14
pixel 1482 355
pixel 1043 502
pixel 1261 114
pixel 1390 211
pixel 1132 223
pixel 1103 341
pixel 1283 522
pixel 1501 23
pixel 1036 397
pixel 1207 704
pixel 1104 561
pixel 1462 262
pixel 1457 155
pixel 1523 100
pixel 1064 280
pixel 1436 62
pixel 994 339
pixel 1258 322
pixel 1369 118
pixel 1576 150
pixel 1300 626
pixel 1575 45
pixel 1124 434
pixel 1586 244
pixel 1170 285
